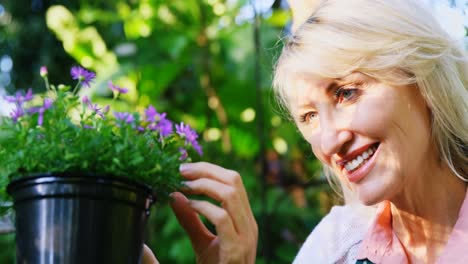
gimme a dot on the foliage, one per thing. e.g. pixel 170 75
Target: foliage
pixel 67 133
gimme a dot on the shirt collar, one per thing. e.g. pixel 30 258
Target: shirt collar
pixel 381 245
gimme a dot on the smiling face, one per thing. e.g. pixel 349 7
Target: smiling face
pixel 375 137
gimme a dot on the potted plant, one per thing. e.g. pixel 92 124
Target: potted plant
pixel 82 177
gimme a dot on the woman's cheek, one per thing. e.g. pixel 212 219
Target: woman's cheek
pixel 373 117
pixel 313 138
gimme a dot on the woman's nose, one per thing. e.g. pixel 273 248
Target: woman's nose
pixel 334 135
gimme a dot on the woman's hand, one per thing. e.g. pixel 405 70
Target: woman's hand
pixel 236 230
pixel 148 256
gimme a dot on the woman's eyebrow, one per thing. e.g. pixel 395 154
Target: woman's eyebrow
pixel 329 84
pixel 353 77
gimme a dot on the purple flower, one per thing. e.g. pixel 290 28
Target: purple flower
pixel 185 131
pixel 88 127
pixel 95 107
pixel 183 154
pixel 106 109
pixel 116 88
pixel 82 75
pixel 165 127
pixel 161 124
pixel 43 71
pixel 151 114
pixel 33 110
pixel 153 126
pixel 17 113
pixel 19 99
pixel 85 100
pixel 47 104
pixel 197 147
pixel 124 117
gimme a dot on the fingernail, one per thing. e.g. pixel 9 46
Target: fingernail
pixel 184 167
pixel 185 185
pixel 171 198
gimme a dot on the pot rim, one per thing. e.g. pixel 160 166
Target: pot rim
pixel 78 177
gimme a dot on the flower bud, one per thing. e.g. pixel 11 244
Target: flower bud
pixel 43 71
pixel 63 87
pixel 85 100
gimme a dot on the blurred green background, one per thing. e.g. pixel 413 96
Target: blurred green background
pixel 205 62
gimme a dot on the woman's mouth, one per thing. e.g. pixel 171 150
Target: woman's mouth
pixel 359 163
pixel 360 160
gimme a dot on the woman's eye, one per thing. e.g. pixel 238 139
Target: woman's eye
pixel 345 94
pixel 308 117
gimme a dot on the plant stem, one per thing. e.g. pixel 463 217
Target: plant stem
pixel 47 83
pixel 76 87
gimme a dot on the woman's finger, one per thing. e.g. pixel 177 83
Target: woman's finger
pixel 227 196
pixel 199 235
pixel 203 169
pixel 197 170
pixel 219 218
pixel 148 256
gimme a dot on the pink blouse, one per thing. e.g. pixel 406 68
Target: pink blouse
pixel 381 245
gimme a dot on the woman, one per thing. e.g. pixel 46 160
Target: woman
pixel 379 90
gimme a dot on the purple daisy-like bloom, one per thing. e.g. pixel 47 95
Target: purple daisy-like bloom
pixel 10 99
pixel 28 96
pixel 160 123
pixel 19 99
pixel 151 114
pixel 152 126
pixel 124 117
pixel 17 113
pixel 185 131
pixel 117 89
pixel 183 154
pixel 95 107
pixel 33 110
pixel 164 126
pixel 47 104
pixel 196 146
pixel 82 75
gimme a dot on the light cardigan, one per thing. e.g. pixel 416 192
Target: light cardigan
pixel 346 235
pixel 381 245
pixel 337 238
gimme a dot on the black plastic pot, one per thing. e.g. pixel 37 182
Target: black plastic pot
pixel 79 219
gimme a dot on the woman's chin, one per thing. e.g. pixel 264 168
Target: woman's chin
pixel 369 195
pixel 369 202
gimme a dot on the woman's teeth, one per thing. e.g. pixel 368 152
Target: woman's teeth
pixel 359 160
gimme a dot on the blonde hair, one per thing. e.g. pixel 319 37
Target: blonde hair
pixel 398 42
